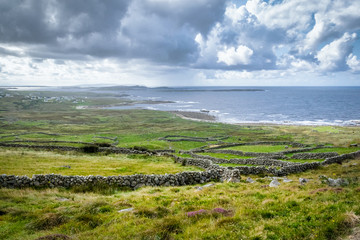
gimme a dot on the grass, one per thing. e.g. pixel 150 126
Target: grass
pixel 291 211
pixel 328 129
pixel 223 155
pixel 260 148
pixel 28 162
pixel 337 149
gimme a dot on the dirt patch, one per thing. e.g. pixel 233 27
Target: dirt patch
pixel 355 234
pixel 337 190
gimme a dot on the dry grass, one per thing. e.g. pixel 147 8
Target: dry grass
pixel 28 162
pixel 290 211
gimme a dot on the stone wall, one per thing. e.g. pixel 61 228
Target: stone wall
pixel 249 154
pixel 80 149
pixel 213 172
pixel 248 161
pixel 341 158
pixel 180 138
pixel 132 181
pixel 293 144
pixel 285 170
pixel 314 155
pixel 296 168
pixel 303 149
pixel 42 147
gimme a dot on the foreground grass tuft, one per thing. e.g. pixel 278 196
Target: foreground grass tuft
pixel 47 221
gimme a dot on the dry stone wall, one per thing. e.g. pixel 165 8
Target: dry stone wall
pixel 132 181
pixel 293 144
pixel 213 172
pixel 341 158
pixel 248 161
pixel 249 154
pixel 98 149
pixel 314 155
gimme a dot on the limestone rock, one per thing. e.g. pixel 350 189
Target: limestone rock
pixel 249 180
pixel 274 183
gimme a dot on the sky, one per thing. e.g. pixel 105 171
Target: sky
pixel 180 42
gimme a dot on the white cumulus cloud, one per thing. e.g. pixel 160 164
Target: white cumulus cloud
pixel 333 56
pixel 353 62
pixel 231 56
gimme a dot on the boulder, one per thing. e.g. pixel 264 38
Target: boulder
pixel 302 181
pixel 249 180
pixel 274 183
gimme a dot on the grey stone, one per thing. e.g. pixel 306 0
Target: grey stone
pixel 249 180
pixel 302 181
pixel 126 210
pixel 61 199
pixel 286 180
pixel 337 182
pixel 274 183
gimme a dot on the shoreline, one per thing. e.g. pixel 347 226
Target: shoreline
pixel 206 117
pixel 195 116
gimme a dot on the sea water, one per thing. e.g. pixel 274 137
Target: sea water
pixel 274 105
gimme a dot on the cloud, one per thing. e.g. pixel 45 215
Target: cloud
pixel 274 37
pixel 231 56
pixel 353 62
pixel 333 56
pixel 157 30
pixel 332 22
pixel 239 28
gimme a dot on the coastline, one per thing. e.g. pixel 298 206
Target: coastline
pixel 206 117
pixel 195 116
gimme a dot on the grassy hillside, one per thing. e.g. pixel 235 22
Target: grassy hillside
pixel 241 210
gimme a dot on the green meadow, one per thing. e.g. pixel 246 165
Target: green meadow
pixel 250 210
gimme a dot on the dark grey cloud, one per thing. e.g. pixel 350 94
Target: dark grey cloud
pixel 197 14
pixel 155 30
pixel 7 52
pixel 199 34
pixel 44 21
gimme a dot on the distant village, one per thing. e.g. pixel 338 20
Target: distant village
pixel 45 99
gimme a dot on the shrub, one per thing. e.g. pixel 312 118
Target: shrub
pixel 90 149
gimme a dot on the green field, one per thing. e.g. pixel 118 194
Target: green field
pixel 223 155
pixel 251 210
pixel 27 162
pixel 260 148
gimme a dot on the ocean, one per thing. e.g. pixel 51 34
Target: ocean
pixel 271 105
